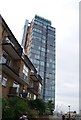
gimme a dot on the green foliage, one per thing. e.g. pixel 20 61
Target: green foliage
pixel 49 107
pixel 13 106
pixel 18 105
pixel 7 113
pixel 38 105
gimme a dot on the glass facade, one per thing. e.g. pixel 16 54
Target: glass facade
pixel 42 54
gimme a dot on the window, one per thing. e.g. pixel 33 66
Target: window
pixel 36 61
pixel 36 34
pixel 41 68
pixel 53 66
pixel 41 74
pixel 34 97
pixel 50 60
pixel 47 64
pixel 42 53
pixel 2 59
pixel 32 45
pixel 4 81
pixel 38 23
pixel 43 49
pixel 44 37
pixel 31 60
pixel 28 94
pixel 43 41
pixel 16 85
pixel 42 63
pixel 53 71
pixel 37 56
pixel 48 50
pixel 39 47
pixel 34 51
pixel 25 72
pixel 37 30
pixel 53 87
pixel 40 87
pixel 44 26
pixel 51 28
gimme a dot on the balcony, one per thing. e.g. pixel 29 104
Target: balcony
pixel 29 63
pixel 13 92
pixel 33 88
pixel 12 71
pixel 7 62
pixel 36 77
pixel 13 50
pixel 25 78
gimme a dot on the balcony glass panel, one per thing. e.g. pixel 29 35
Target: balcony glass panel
pixel 7 40
pixel 2 60
pixel 24 76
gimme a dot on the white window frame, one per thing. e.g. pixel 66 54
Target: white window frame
pixel 25 70
pixel 4 81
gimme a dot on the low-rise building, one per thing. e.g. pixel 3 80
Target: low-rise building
pixel 18 75
pixel 71 115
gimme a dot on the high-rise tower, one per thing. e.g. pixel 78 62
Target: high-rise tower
pixel 39 44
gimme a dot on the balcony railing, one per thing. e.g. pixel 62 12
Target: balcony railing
pixel 7 40
pixel 33 86
pixel 17 47
pixel 36 88
pixel 7 61
pixel 15 68
pixel 37 77
pixel 13 92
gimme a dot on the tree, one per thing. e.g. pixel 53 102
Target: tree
pixel 39 105
pixel 50 106
pixel 12 107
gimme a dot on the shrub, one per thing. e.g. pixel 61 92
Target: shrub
pixel 7 113
pixel 12 107
pixel 49 107
pixel 38 105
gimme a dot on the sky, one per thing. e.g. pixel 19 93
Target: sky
pixel 64 15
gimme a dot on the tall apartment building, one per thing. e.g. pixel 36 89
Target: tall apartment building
pixel 39 44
